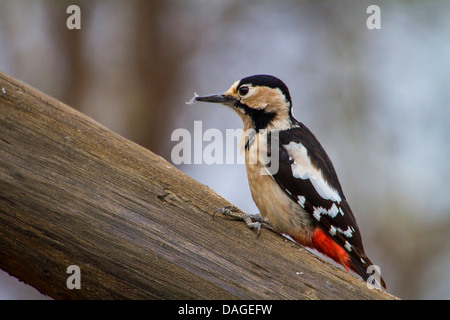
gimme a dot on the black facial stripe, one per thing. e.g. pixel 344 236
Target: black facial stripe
pixel 259 117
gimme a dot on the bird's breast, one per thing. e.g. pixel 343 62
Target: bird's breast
pixel 285 215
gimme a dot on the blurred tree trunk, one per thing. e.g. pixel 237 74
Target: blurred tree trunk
pixel 70 46
pixel 156 59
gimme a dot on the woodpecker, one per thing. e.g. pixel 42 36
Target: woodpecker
pixel 300 195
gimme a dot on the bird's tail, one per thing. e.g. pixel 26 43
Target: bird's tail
pixel 357 261
pixel 368 271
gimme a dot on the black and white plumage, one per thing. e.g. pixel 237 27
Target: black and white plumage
pixel 314 185
pixel 300 195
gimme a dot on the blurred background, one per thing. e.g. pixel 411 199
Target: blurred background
pixel 378 100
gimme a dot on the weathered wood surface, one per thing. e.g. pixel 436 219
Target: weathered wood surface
pixel 74 193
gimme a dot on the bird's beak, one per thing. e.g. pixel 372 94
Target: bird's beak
pixel 218 98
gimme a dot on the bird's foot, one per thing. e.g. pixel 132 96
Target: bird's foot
pixel 253 221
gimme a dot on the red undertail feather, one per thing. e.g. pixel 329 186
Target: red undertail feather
pixel 326 245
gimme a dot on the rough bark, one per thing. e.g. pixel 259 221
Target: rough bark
pixel 74 193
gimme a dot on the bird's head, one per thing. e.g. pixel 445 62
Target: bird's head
pixel 262 101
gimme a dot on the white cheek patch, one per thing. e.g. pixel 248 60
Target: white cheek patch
pixel 302 168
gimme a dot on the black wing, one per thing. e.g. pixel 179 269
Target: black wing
pixel 332 213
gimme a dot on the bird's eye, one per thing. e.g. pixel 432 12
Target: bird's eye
pixel 243 90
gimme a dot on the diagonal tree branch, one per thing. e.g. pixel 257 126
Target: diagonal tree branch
pixel 74 193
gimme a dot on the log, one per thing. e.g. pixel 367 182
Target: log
pixel 74 193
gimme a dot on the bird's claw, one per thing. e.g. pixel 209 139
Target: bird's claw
pixel 229 211
pixel 253 221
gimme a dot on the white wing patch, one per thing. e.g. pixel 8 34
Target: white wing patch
pixel 319 211
pixel 348 246
pixel 348 233
pixel 302 168
pixel 333 230
pixel 301 201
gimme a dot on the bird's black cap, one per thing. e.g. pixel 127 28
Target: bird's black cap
pixel 268 81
